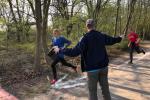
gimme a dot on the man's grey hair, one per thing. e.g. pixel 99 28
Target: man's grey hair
pixel 90 23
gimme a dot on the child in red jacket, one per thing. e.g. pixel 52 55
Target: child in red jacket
pixel 134 41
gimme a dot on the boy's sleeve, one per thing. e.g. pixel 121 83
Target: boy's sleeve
pixel 52 40
pixel 112 40
pixel 75 51
pixel 137 36
pixel 66 41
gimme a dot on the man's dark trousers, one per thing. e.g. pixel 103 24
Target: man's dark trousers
pixel 100 76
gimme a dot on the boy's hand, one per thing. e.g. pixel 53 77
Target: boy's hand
pixel 128 45
pixel 138 41
pixel 56 49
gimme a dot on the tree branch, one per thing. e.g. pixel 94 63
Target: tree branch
pixel 32 7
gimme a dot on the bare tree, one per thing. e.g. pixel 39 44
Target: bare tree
pixel 65 8
pixel 131 11
pixel 94 8
pixel 117 16
pixel 44 30
pixel 20 16
pixel 40 12
pixel 38 16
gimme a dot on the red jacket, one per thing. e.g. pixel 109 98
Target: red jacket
pixel 132 37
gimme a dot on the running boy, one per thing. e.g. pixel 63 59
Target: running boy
pixel 61 42
pixel 134 41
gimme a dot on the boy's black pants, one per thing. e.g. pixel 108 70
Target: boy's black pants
pixel 63 61
pixel 133 47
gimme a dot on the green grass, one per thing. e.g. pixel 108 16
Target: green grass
pixel 2 36
pixel 123 45
pixel 2 39
pixel 27 46
pixel 30 46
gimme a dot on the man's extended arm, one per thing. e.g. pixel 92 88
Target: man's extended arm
pixel 112 40
pixel 75 51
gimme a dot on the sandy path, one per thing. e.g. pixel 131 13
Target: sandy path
pixel 127 82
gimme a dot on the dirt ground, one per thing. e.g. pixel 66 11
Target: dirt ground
pixel 127 82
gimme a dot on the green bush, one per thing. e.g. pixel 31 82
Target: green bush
pixel 2 38
pixel 123 45
pixel 28 46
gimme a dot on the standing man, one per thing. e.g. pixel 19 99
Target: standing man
pixel 94 58
pixel 134 41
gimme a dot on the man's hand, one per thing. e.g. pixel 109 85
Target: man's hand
pixel 51 52
pixel 56 49
pixel 122 36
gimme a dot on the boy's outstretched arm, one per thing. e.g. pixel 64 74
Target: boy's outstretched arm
pixel 138 41
pixel 67 42
pixel 129 43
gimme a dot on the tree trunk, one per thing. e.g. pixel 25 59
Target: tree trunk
pixel 145 21
pixel 132 4
pixel 117 16
pixel 94 10
pixel 38 14
pixel 12 11
pixel 44 35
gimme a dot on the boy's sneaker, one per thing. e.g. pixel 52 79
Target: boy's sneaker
pixel 53 81
pixel 143 51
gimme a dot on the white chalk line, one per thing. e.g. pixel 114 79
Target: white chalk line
pixel 81 81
